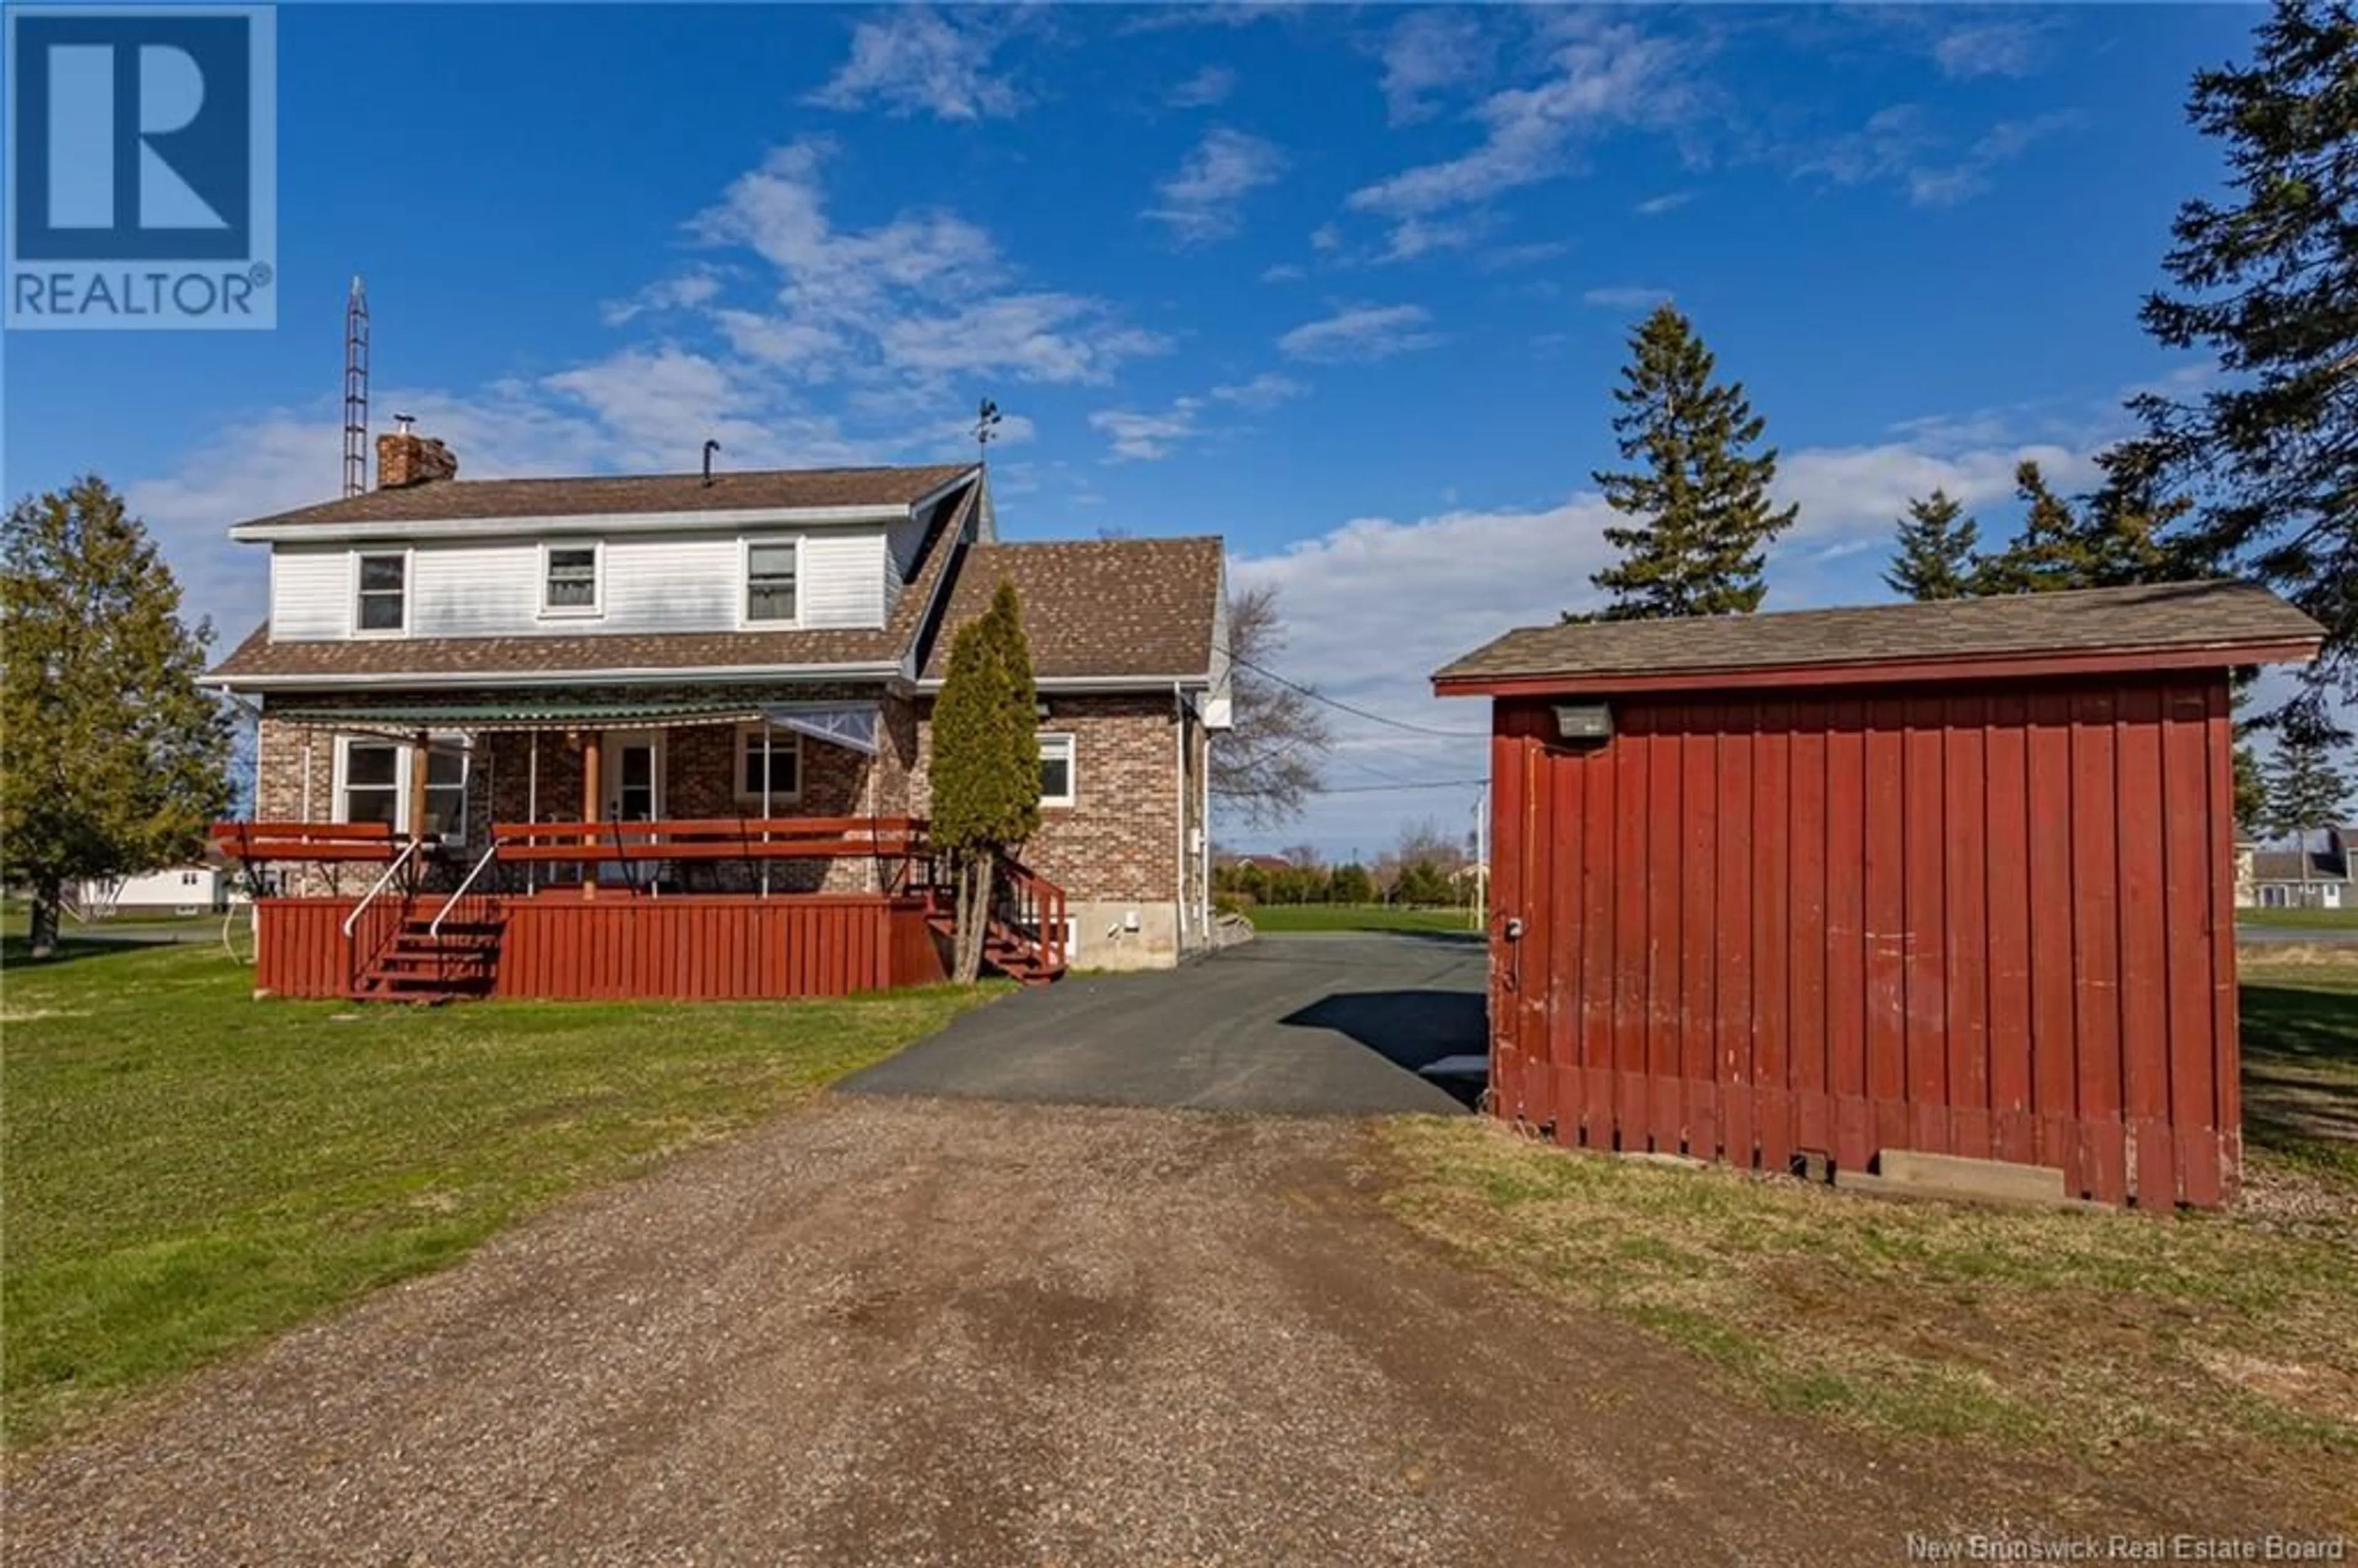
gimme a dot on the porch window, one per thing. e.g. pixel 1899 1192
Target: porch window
pixel 1057 770
pixel 786 767
pixel 370 790
pixel 372 785
pixel 384 592
pixel 770 581
pixel 569 579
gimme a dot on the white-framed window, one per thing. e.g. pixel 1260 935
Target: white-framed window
pixel 381 593
pixel 1058 784
pixel 372 783
pixel 571 578
pixel 772 568
pixel 784 766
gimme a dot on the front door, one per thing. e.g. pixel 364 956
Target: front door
pixel 635 777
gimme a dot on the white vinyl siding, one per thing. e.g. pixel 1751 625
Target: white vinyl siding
pixel 310 594
pixel 692 583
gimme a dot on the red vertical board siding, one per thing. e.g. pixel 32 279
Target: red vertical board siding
pixel 1845 931
pixel 2186 894
pixel 1886 922
pixel 2048 775
pixel 1994 922
pixel 1507 854
pixel 1923 941
pixel 2145 950
pixel 2227 1054
pixel 1774 890
pixel 1699 924
pixel 1732 1000
pixel 2006 803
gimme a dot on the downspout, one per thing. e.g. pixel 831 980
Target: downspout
pixel 1179 841
pixel 1203 843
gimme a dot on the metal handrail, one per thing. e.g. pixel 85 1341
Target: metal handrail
pixel 379 885
pixel 482 861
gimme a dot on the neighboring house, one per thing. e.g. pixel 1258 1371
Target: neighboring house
pixel 445 654
pixel 173 890
pixel 2274 878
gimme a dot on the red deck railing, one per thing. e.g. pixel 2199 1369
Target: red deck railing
pixel 254 842
pixel 712 839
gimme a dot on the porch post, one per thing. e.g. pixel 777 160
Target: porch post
pixel 766 803
pixel 532 806
pixel 593 747
pixel 417 769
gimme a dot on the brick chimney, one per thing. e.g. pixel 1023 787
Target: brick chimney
pixel 405 457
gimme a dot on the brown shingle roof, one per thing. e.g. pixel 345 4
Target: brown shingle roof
pixel 2221 614
pixel 1098 607
pixel 782 489
pixel 495 658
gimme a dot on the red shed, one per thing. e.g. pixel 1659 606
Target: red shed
pixel 1955 878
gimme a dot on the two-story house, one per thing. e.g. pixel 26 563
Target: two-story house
pixel 702 674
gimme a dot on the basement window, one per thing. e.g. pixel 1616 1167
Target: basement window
pixel 770 581
pixel 569 579
pixel 1057 770
pixel 384 592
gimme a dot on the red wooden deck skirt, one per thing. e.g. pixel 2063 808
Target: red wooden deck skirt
pixel 690 947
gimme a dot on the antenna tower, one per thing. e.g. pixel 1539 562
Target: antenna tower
pixel 356 372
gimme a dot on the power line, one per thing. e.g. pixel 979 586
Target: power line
pixel 1382 788
pixel 1316 696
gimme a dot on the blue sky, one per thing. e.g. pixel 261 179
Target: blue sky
pixel 1346 285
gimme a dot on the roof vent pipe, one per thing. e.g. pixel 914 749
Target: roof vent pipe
pixel 710 446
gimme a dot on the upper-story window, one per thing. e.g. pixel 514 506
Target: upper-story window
pixel 770 580
pixel 569 579
pixel 382 592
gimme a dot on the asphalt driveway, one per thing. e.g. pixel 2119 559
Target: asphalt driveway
pixel 1290 1025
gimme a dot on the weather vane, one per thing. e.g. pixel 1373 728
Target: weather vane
pixel 986 427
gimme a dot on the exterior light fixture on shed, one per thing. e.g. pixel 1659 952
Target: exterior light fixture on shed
pixel 1584 720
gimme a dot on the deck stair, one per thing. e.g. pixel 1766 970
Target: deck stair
pixel 420 964
pixel 1024 939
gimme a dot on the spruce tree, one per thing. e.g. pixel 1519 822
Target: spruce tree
pixel 1937 550
pixel 2306 793
pixel 2049 554
pixel 2264 277
pixel 985 771
pixel 116 760
pixel 1700 494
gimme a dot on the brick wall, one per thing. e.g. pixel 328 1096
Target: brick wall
pixel 1119 840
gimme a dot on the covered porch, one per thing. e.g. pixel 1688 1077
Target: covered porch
pixel 729 846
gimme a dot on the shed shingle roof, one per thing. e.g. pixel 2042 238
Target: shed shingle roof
pixel 2186 616
pixel 1103 608
pixel 764 489
pixel 495 658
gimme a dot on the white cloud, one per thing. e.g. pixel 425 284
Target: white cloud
pixel 1601 76
pixel 1899 144
pixel 1325 238
pixel 1266 390
pixel 1429 52
pixel 913 60
pixel 1413 237
pixel 1211 85
pixel 1283 272
pixel 1146 437
pixel 1200 202
pixel 1625 296
pixel 2013 47
pixel 1361 334
pixel 681 291
pixel 1668 201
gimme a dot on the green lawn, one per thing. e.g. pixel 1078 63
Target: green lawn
pixel 2308 919
pixel 1355 917
pixel 2198 1340
pixel 188 1170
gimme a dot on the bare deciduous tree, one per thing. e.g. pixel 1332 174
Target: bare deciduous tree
pixel 1266 768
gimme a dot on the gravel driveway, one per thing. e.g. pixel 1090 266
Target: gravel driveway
pixel 906 1332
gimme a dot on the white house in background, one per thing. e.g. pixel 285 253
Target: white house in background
pixel 173 890
pixel 2276 879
